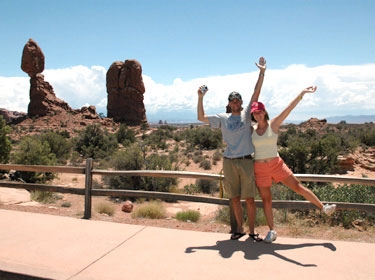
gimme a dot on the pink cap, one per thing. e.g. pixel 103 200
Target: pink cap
pixel 257 106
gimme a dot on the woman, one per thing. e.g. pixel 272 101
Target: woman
pixel 268 166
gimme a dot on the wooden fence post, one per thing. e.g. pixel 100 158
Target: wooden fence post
pixel 88 187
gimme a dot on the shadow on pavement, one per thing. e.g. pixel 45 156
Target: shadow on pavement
pixel 17 276
pixel 252 251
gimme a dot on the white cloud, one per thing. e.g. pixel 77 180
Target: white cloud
pixel 14 93
pixel 342 90
pixel 79 85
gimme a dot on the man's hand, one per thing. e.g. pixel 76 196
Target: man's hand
pixel 202 91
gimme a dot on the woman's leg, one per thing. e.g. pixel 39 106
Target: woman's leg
pixel 266 195
pixel 293 183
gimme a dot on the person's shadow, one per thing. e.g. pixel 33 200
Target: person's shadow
pixel 253 251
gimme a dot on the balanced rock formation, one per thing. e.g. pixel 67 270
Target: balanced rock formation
pixel 125 90
pixel 32 59
pixel 43 100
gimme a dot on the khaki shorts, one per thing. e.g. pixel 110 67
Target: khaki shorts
pixel 239 178
pixel 275 170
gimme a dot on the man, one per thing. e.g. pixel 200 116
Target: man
pixel 237 163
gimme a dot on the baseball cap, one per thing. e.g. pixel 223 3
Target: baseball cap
pixel 234 95
pixel 257 106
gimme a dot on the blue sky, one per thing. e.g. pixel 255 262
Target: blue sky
pixel 182 44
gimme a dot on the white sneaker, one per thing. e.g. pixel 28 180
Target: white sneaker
pixel 271 236
pixel 329 209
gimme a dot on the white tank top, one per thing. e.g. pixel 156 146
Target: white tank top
pixel 266 144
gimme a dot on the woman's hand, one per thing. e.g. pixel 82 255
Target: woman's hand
pixel 262 64
pixel 311 89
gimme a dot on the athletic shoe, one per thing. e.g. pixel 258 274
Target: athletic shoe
pixel 271 236
pixel 329 209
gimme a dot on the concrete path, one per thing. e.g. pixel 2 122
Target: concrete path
pixel 37 246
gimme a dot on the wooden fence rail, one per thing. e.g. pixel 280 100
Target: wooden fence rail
pixel 88 191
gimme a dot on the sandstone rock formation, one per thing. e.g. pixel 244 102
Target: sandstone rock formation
pixel 43 100
pixel 125 90
pixel 32 59
pixel 12 117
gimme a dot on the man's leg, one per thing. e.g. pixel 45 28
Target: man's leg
pixel 251 213
pixel 233 222
pixel 237 211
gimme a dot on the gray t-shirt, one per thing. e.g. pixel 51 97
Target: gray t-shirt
pixel 236 131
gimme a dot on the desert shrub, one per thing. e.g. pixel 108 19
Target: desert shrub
pixel 223 215
pixel 329 193
pixel 207 138
pixel 188 216
pixel 160 136
pixel 150 210
pixel 205 164
pixel 324 153
pixel 5 143
pixel 76 159
pixel 125 135
pixel 58 144
pixel 33 151
pixel 366 134
pixel 197 156
pixel 94 142
pixel 217 156
pixel 207 186
pixel 105 208
pixel 66 204
pixel 130 159
pixel 44 197
pixel 159 162
pixel 296 154
pixel 191 189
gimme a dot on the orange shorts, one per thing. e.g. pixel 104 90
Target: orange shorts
pixel 275 170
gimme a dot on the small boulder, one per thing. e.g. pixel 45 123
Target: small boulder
pixel 127 207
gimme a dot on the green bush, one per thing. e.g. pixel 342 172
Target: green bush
pixel 192 189
pixel 66 204
pixel 44 197
pixel 207 186
pixel 125 135
pixel 33 151
pixel 105 208
pixel 159 162
pixel 150 210
pixel 205 164
pixel 130 159
pixel 188 216
pixel 94 142
pixel 5 143
pixel 58 144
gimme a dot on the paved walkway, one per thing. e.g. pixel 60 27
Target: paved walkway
pixel 53 247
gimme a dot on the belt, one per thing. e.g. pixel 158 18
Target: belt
pixel 244 157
